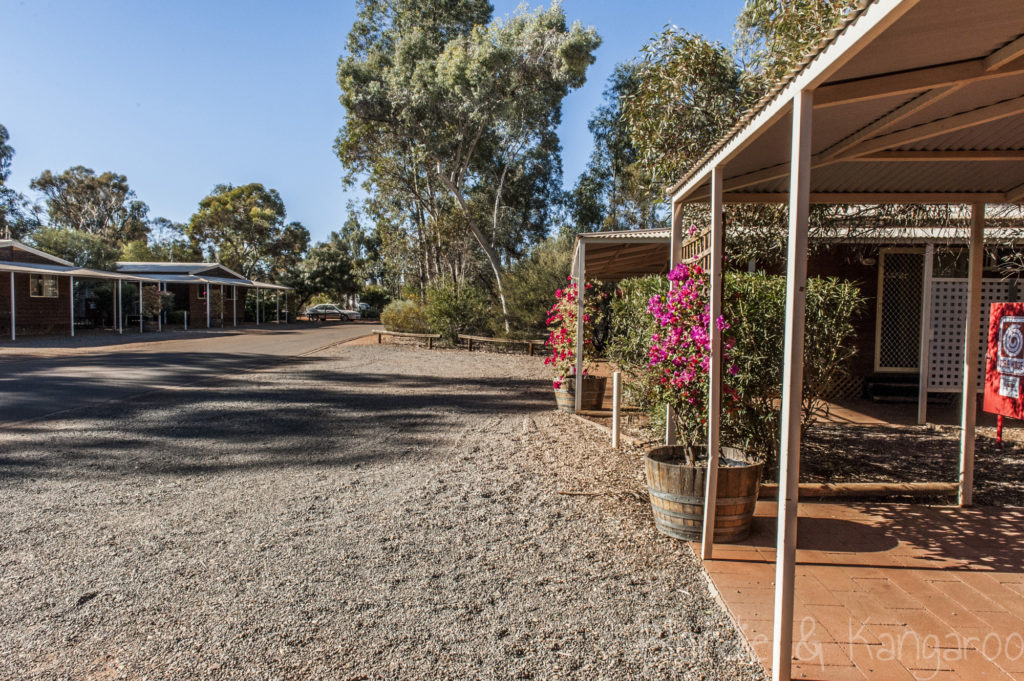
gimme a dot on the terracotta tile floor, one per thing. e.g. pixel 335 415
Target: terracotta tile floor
pixel 887 591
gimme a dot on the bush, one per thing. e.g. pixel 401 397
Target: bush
pixel 377 297
pixel 755 310
pixel 405 315
pixel 528 285
pixel 453 309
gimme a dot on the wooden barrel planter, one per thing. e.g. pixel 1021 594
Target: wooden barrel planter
pixel 676 484
pixel 593 393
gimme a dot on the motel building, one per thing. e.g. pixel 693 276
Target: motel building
pixel 42 294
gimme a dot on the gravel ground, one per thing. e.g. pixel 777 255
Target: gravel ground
pixel 366 513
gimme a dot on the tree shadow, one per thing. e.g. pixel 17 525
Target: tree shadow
pixel 315 417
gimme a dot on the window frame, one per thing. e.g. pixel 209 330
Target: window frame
pixel 43 279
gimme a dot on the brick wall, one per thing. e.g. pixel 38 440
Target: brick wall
pixel 34 316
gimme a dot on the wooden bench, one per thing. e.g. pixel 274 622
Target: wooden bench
pixel 505 341
pixel 403 334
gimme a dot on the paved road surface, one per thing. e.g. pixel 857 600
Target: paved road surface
pixel 36 382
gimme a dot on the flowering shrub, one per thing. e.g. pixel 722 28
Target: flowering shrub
pixel 562 327
pixel 680 351
pixel 155 301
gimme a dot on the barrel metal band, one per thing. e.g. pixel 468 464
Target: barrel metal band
pixel 698 501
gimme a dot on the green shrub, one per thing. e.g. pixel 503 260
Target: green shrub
pixel 453 309
pixel 755 307
pixel 377 297
pixel 528 285
pixel 405 315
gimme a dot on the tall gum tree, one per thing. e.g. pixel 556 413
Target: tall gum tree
pixel 454 102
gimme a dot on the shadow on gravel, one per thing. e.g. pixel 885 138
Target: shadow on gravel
pixel 332 419
pixel 37 387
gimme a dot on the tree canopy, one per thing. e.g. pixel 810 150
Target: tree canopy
pixel 17 215
pixel 457 115
pixel 244 229
pixel 103 205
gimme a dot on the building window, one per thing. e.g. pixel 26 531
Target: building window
pixel 201 291
pixel 42 285
pixel 229 293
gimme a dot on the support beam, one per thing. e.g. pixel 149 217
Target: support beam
pixel 675 254
pixel 792 387
pixel 234 305
pixel 924 354
pixel 140 307
pixel 222 306
pixel 120 306
pixel 13 321
pixel 969 400
pixel 616 399
pixel 886 122
pixel 954 155
pixel 909 82
pixel 1004 55
pixel 1015 195
pixel 870 197
pixel 715 366
pixel 160 314
pixel 943 126
pixel 207 305
pixel 257 306
pixel 277 303
pixel 71 298
pixel 581 288
pixel 286 310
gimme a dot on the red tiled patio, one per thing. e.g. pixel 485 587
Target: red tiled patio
pixel 887 591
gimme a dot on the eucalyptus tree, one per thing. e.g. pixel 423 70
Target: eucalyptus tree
pixel 460 103
pixel 18 217
pixel 103 205
pixel 244 228
pixel 614 192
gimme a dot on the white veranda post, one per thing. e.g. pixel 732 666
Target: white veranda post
pixel 792 387
pixel 120 306
pixel 715 366
pixel 924 350
pixel 71 298
pixel 277 303
pixel 257 306
pixel 140 307
pixel 581 288
pixel 160 312
pixel 969 400
pixel 222 305
pixel 234 306
pixel 675 254
pixel 207 305
pixel 12 307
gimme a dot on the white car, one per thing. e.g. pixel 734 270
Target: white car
pixel 327 310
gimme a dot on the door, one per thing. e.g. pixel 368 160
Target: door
pixel 898 315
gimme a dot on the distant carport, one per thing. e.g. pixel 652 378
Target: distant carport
pixel 909 101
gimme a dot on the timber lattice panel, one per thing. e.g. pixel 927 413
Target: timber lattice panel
pixel 948 313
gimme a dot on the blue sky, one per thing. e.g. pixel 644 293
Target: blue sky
pixel 180 96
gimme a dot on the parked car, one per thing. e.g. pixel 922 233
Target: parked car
pixel 363 307
pixel 326 311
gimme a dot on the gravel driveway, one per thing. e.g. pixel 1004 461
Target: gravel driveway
pixel 369 512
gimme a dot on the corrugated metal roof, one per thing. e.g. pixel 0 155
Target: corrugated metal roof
pixel 880 43
pixel 18 246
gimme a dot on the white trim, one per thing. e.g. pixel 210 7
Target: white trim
pixel 924 354
pixel 18 246
pixel 581 290
pixel 969 399
pixel 715 366
pixel 792 387
pixel 879 295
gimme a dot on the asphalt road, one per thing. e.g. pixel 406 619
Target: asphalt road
pixel 35 383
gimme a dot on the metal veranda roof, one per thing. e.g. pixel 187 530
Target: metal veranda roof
pixel 915 101
pixel 612 256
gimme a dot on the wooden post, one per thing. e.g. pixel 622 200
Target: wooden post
pixel 792 386
pixel 924 354
pixel 969 401
pixel 616 397
pixel 378 337
pixel 469 344
pixel 581 290
pixel 71 297
pixel 715 366
pixel 430 343
pixel 675 254
pixel 12 307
